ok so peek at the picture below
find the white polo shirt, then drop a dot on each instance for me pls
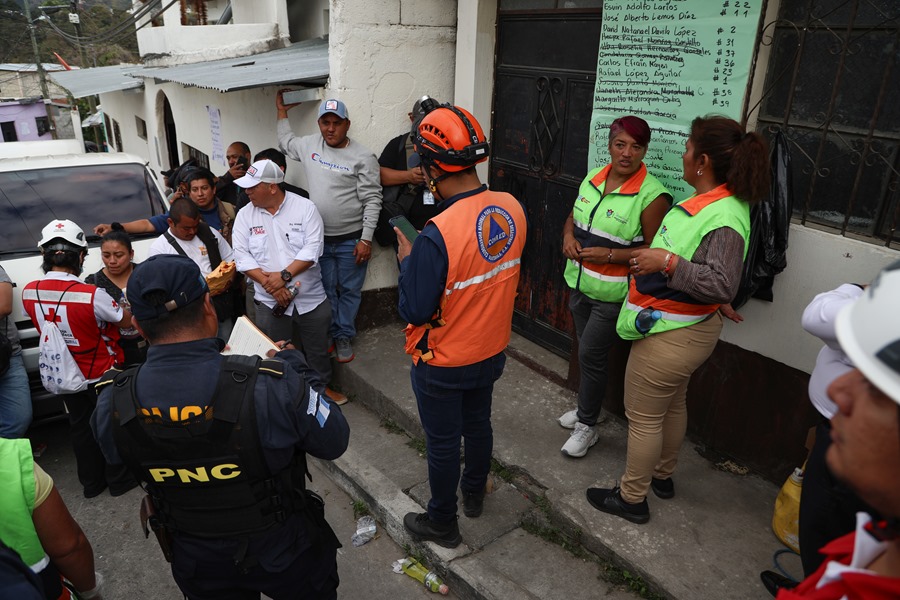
(195, 249)
(271, 242)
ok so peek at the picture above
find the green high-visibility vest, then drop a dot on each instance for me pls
(17, 502)
(681, 232)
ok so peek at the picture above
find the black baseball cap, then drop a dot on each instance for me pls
(177, 276)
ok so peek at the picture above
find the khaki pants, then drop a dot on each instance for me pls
(656, 379)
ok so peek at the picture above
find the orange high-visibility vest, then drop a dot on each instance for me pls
(485, 236)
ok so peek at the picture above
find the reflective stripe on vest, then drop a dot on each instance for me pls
(55, 295)
(610, 221)
(459, 285)
(484, 235)
(681, 232)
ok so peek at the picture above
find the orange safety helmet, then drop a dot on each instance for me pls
(450, 138)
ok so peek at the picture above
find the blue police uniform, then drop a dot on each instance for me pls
(177, 382)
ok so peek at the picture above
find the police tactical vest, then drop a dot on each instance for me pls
(609, 220)
(681, 232)
(208, 475)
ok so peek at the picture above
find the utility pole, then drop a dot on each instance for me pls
(75, 19)
(45, 91)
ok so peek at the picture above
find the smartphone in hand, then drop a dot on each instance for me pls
(405, 227)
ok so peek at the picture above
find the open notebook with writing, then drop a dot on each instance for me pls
(248, 339)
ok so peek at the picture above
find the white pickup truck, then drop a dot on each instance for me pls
(42, 181)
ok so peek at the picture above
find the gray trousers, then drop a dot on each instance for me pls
(308, 332)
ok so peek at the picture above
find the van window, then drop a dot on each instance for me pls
(87, 195)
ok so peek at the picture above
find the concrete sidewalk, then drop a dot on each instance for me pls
(710, 541)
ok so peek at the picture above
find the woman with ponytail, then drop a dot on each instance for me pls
(692, 267)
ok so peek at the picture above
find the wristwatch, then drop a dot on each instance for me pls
(286, 275)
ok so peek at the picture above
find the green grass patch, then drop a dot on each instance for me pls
(418, 444)
(360, 509)
(502, 472)
(392, 427)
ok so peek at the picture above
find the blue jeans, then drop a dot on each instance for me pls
(454, 403)
(343, 280)
(15, 399)
(595, 326)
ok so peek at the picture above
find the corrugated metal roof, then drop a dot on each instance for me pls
(305, 61)
(88, 82)
(31, 67)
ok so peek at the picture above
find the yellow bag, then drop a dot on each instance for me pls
(786, 519)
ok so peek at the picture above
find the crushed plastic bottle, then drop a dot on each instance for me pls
(429, 579)
(365, 531)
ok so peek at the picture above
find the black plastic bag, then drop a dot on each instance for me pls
(770, 223)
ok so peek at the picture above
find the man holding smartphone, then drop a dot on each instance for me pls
(238, 157)
(457, 290)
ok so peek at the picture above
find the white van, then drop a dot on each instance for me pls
(38, 186)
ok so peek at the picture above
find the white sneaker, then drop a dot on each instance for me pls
(580, 440)
(569, 420)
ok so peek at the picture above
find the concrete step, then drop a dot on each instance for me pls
(710, 541)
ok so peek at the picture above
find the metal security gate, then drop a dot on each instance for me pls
(544, 84)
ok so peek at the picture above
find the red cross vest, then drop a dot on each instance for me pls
(71, 305)
(485, 236)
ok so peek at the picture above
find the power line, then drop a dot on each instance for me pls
(123, 27)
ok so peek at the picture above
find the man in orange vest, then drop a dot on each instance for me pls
(457, 289)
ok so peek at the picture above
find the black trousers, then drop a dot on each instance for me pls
(827, 507)
(205, 570)
(93, 472)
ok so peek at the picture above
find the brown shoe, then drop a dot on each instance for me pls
(336, 397)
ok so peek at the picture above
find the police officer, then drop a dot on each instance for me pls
(457, 289)
(220, 443)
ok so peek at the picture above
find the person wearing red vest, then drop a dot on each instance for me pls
(865, 453)
(692, 267)
(457, 288)
(88, 319)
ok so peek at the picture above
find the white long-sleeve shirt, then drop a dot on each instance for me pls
(272, 242)
(819, 319)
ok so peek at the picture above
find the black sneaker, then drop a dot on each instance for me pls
(663, 488)
(610, 501)
(473, 504)
(776, 582)
(424, 529)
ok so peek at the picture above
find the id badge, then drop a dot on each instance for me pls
(427, 198)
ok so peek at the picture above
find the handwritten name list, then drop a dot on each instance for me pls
(668, 61)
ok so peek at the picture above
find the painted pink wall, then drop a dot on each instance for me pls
(24, 115)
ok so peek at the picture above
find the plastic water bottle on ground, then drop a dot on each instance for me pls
(646, 319)
(365, 531)
(414, 569)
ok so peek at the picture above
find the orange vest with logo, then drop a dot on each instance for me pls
(485, 236)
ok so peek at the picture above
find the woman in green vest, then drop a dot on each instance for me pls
(692, 267)
(618, 209)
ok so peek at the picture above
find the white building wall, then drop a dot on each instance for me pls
(817, 261)
(123, 107)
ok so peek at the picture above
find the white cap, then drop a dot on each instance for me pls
(262, 171)
(65, 230)
(869, 332)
